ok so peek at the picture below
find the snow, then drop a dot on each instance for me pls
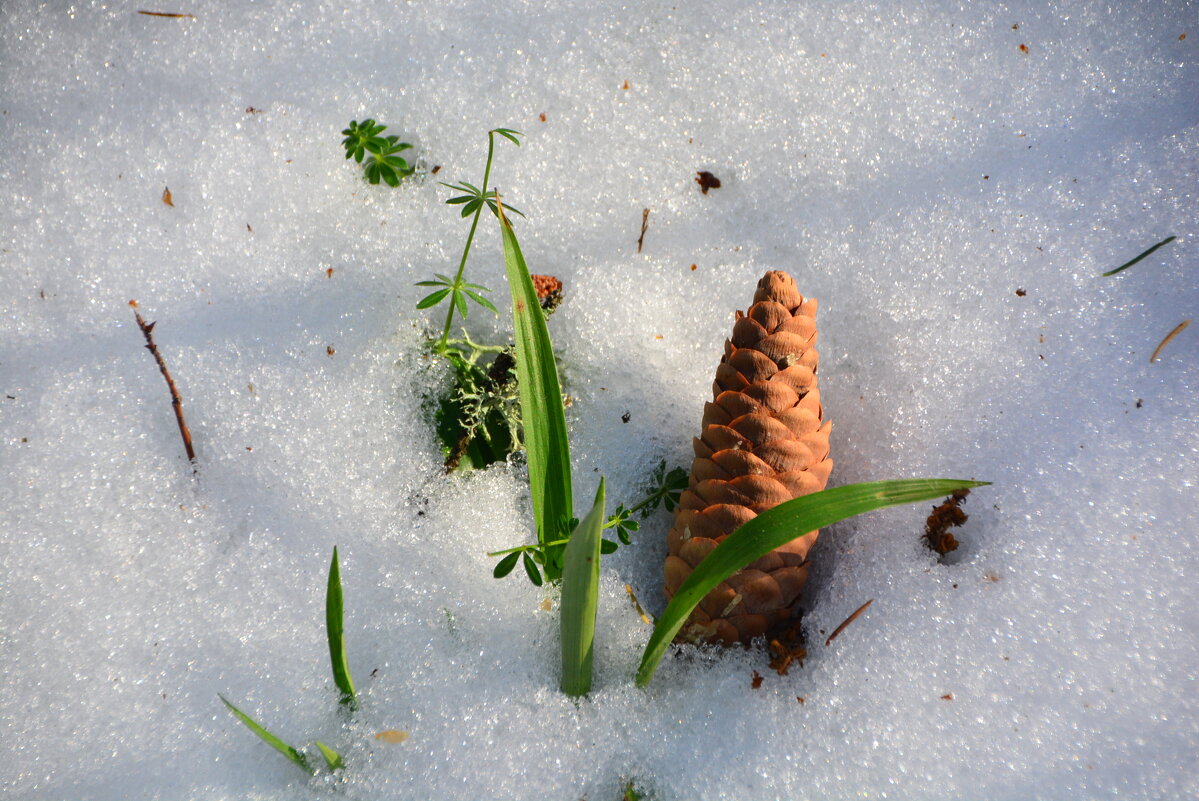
(908, 163)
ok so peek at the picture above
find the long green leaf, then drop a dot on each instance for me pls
(274, 742)
(335, 628)
(776, 527)
(580, 598)
(541, 411)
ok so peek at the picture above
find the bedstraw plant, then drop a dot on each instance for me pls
(383, 161)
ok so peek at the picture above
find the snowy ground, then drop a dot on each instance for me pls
(950, 180)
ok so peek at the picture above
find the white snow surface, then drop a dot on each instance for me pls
(909, 163)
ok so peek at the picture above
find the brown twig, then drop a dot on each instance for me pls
(644, 226)
(176, 401)
(167, 14)
(1177, 330)
(848, 620)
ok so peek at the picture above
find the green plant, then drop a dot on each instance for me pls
(580, 599)
(472, 202)
(478, 420)
(773, 528)
(383, 162)
(665, 489)
(335, 632)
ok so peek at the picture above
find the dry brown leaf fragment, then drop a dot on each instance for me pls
(756, 682)
(944, 517)
(329, 350)
(542, 116)
(392, 736)
(329, 273)
(706, 181)
(947, 697)
(166, 197)
(1024, 48)
(546, 605)
(626, 86)
(786, 649)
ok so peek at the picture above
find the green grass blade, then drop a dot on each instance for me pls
(335, 628)
(580, 598)
(274, 742)
(776, 527)
(1133, 261)
(332, 758)
(541, 411)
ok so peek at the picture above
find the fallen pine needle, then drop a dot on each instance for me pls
(644, 226)
(1128, 264)
(1178, 329)
(637, 605)
(167, 14)
(848, 620)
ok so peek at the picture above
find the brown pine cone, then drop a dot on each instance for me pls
(763, 442)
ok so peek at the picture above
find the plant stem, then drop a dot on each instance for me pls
(528, 547)
(449, 317)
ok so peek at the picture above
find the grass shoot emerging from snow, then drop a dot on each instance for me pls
(335, 630)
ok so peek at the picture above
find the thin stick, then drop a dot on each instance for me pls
(644, 226)
(176, 401)
(848, 620)
(167, 14)
(1128, 264)
(1177, 330)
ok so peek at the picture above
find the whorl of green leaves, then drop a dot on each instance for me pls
(382, 163)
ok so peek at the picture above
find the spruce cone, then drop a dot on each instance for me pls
(763, 443)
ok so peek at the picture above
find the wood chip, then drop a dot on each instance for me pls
(1178, 329)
